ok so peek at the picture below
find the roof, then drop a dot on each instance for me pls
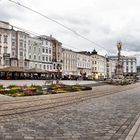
(123, 57)
(94, 52)
(84, 52)
(69, 50)
(4, 22)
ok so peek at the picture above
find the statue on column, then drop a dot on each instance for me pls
(119, 65)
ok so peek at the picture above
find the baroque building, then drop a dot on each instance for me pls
(129, 64)
(69, 67)
(99, 64)
(40, 53)
(84, 64)
(13, 47)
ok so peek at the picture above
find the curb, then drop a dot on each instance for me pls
(134, 133)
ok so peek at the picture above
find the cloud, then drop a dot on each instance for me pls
(9, 11)
(104, 22)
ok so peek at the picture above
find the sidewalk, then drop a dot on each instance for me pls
(134, 134)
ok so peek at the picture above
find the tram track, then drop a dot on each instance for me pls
(42, 104)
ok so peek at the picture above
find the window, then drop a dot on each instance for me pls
(5, 39)
(34, 56)
(35, 65)
(46, 42)
(39, 57)
(5, 49)
(54, 66)
(44, 66)
(21, 53)
(43, 50)
(43, 58)
(47, 50)
(127, 69)
(40, 66)
(50, 67)
(29, 56)
(0, 49)
(47, 67)
(25, 64)
(0, 38)
(13, 53)
(50, 58)
(21, 36)
(13, 43)
(21, 44)
(6, 62)
(39, 50)
(50, 51)
(46, 58)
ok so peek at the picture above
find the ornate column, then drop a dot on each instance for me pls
(119, 65)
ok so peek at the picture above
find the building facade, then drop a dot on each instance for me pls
(129, 64)
(84, 64)
(13, 47)
(69, 67)
(56, 55)
(99, 66)
(5, 44)
(111, 65)
(40, 54)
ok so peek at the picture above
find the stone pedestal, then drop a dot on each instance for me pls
(119, 71)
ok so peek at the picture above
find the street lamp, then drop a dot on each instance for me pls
(58, 73)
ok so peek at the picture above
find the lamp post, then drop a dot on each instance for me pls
(58, 73)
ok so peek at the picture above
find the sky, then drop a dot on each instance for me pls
(103, 21)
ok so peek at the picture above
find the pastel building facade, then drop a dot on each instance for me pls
(99, 64)
(69, 58)
(13, 47)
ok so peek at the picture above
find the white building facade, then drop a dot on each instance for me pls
(111, 65)
(84, 64)
(40, 54)
(129, 64)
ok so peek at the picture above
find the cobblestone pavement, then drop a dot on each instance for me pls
(108, 117)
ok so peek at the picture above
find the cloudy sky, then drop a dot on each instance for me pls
(102, 21)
